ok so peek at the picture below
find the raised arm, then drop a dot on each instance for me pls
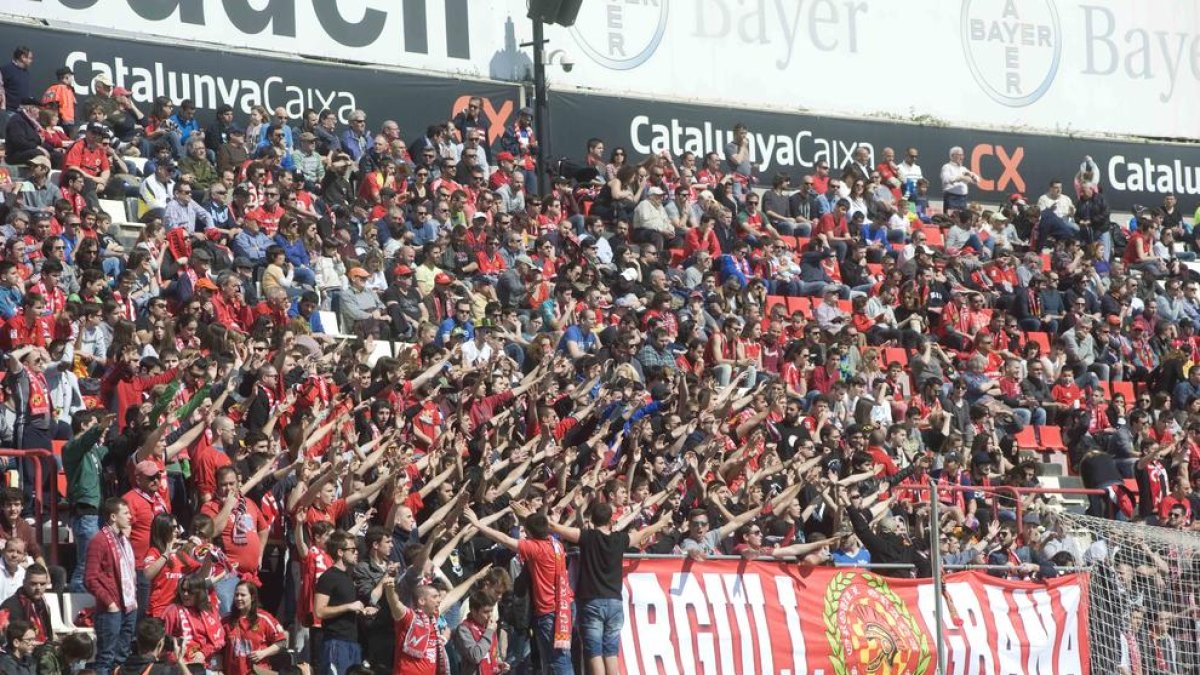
(495, 535)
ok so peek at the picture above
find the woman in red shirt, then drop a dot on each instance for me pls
(252, 634)
(195, 624)
(165, 564)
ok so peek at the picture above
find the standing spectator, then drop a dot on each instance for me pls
(546, 560)
(112, 579)
(15, 73)
(335, 604)
(598, 593)
(956, 182)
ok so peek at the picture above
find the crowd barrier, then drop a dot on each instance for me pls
(40, 498)
(755, 616)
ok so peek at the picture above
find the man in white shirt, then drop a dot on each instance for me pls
(1057, 221)
(651, 225)
(12, 568)
(479, 351)
(956, 181)
(909, 172)
(158, 187)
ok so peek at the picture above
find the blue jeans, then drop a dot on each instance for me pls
(555, 661)
(83, 528)
(114, 635)
(225, 588)
(600, 623)
(337, 656)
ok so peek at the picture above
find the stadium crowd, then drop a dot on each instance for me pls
(353, 401)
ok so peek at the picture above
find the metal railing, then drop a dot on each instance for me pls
(1004, 490)
(36, 455)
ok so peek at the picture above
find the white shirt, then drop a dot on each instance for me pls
(906, 171)
(473, 353)
(10, 584)
(952, 178)
(1062, 204)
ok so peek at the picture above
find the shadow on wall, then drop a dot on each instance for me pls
(510, 64)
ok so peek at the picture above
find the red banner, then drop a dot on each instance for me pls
(766, 618)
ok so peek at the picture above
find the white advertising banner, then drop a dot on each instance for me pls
(1110, 66)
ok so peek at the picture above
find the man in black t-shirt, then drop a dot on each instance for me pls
(336, 605)
(598, 594)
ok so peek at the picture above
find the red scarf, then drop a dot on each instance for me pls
(487, 663)
(562, 598)
(39, 399)
(421, 637)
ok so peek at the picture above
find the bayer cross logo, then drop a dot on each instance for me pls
(618, 34)
(1013, 48)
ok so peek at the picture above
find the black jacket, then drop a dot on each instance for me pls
(889, 547)
(22, 139)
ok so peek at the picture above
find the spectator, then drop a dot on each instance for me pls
(956, 182)
(111, 578)
(15, 75)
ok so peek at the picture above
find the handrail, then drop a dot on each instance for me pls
(39, 501)
(996, 490)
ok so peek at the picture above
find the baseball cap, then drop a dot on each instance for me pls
(1016, 198)
(102, 79)
(97, 128)
(505, 156)
(527, 111)
(403, 270)
(206, 285)
(523, 260)
(443, 279)
(147, 468)
(358, 272)
(41, 160)
(656, 191)
(202, 254)
(242, 262)
(235, 130)
(308, 136)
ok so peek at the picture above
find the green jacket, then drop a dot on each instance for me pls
(205, 173)
(81, 462)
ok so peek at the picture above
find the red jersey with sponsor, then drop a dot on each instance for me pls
(243, 639)
(163, 587)
(418, 645)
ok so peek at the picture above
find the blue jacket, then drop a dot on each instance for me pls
(296, 253)
(731, 269)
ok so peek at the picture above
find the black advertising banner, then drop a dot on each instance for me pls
(1131, 172)
(211, 77)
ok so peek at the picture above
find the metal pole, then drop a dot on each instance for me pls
(540, 111)
(935, 559)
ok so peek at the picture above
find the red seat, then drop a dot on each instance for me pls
(1050, 438)
(788, 241)
(795, 304)
(773, 300)
(1042, 340)
(1125, 389)
(846, 306)
(895, 355)
(875, 268)
(1026, 439)
(677, 256)
(1045, 262)
(934, 238)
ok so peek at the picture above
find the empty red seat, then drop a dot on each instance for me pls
(1026, 439)
(895, 355)
(934, 238)
(1050, 438)
(1042, 340)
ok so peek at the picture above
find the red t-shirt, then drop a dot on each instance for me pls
(240, 536)
(315, 563)
(416, 634)
(206, 460)
(330, 514)
(142, 509)
(241, 639)
(164, 586)
(91, 161)
(545, 565)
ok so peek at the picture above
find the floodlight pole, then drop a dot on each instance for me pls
(540, 109)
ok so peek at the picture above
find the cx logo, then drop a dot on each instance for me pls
(986, 157)
(497, 117)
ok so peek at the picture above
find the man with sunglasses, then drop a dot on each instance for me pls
(335, 603)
